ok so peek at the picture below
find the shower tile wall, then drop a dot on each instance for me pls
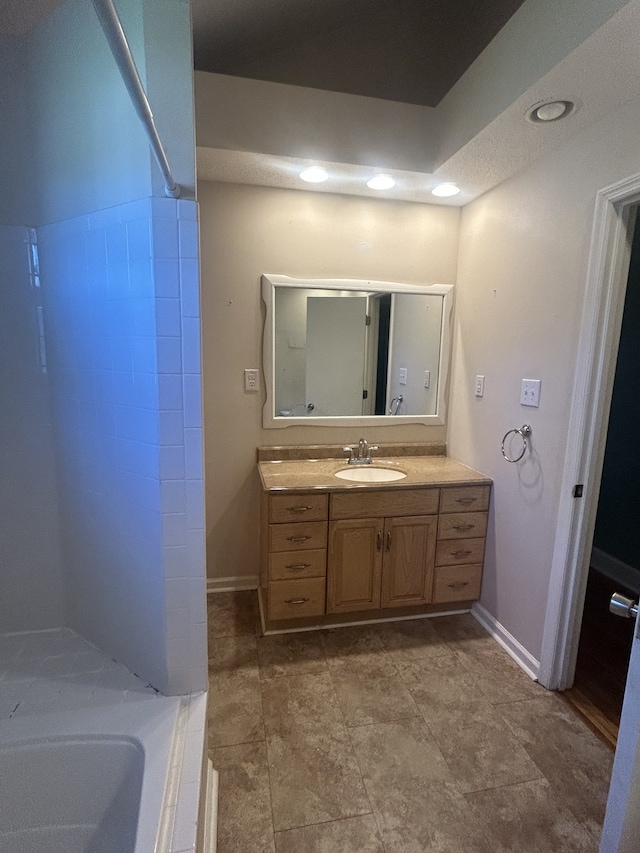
(123, 337)
(30, 567)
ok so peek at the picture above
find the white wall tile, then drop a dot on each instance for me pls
(166, 274)
(170, 353)
(188, 236)
(165, 238)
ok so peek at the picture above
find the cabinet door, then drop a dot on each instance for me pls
(409, 558)
(355, 564)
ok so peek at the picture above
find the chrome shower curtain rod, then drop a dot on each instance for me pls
(112, 26)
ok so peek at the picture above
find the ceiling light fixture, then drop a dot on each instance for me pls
(381, 182)
(446, 189)
(314, 175)
(546, 111)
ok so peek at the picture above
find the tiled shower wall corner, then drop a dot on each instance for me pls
(175, 251)
(128, 447)
(30, 576)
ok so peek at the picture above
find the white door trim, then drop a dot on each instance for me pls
(606, 283)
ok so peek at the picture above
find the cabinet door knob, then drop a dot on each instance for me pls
(296, 600)
(379, 540)
(389, 541)
(298, 538)
(297, 567)
(298, 508)
(460, 553)
(458, 584)
(466, 500)
(463, 526)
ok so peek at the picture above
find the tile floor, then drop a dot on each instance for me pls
(403, 737)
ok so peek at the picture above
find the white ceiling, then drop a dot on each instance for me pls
(478, 131)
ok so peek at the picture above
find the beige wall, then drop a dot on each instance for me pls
(246, 231)
(521, 280)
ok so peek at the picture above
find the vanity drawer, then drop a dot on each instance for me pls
(457, 583)
(462, 525)
(298, 508)
(296, 598)
(465, 498)
(375, 504)
(452, 553)
(301, 564)
(303, 536)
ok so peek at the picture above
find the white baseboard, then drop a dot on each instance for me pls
(232, 584)
(516, 650)
(615, 569)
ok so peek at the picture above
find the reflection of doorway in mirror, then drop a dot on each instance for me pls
(414, 353)
(335, 368)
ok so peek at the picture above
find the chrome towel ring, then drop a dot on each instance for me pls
(524, 432)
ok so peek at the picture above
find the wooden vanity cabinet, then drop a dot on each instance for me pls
(462, 528)
(368, 551)
(294, 555)
(385, 561)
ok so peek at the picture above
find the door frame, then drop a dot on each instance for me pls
(606, 284)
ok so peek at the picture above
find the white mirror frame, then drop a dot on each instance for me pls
(269, 284)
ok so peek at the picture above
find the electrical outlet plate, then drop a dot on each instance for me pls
(530, 393)
(252, 379)
(402, 376)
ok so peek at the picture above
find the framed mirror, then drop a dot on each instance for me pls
(349, 352)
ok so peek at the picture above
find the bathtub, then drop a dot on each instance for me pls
(91, 781)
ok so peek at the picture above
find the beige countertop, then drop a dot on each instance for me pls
(312, 474)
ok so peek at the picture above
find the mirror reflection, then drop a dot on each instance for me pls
(344, 350)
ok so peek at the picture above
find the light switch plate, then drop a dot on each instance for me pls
(402, 373)
(530, 393)
(479, 385)
(427, 378)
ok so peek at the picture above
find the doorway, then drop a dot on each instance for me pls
(605, 640)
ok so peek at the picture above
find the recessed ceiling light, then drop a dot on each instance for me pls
(381, 182)
(547, 111)
(314, 175)
(446, 189)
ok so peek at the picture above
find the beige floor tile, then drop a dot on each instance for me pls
(371, 694)
(234, 702)
(360, 642)
(461, 627)
(497, 675)
(291, 654)
(576, 763)
(418, 807)
(441, 685)
(244, 806)
(313, 772)
(529, 818)
(232, 614)
(479, 749)
(352, 835)
(411, 639)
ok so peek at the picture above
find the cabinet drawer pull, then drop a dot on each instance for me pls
(298, 538)
(458, 585)
(466, 500)
(297, 567)
(463, 526)
(296, 600)
(298, 508)
(461, 553)
(388, 541)
(379, 540)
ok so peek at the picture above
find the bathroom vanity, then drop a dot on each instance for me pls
(336, 550)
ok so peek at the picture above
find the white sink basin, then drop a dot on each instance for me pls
(370, 474)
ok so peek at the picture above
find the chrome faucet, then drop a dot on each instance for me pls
(364, 453)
